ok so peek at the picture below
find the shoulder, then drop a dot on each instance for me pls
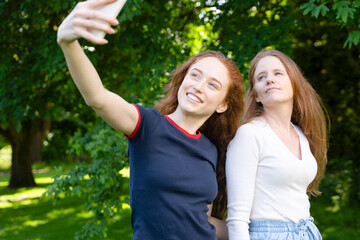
(250, 134)
(252, 128)
(148, 115)
(145, 111)
(149, 120)
(247, 145)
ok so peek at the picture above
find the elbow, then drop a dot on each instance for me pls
(95, 102)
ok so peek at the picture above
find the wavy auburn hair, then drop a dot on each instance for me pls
(308, 111)
(220, 128)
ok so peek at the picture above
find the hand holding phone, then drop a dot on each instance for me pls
(112, 9)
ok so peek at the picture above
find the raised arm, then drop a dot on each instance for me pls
(118, 113)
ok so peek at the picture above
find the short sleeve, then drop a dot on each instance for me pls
(148, 120)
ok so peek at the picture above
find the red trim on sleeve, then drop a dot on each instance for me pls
(195, 136)
(137, 124)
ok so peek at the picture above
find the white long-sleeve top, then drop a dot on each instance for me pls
(265, 180)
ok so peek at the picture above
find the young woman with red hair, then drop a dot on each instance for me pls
(278, 155)
(177, 153)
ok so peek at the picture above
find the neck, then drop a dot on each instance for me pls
(188, 122)
(278, 117)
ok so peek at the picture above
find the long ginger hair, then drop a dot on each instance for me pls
(220, 128)
(308, 112)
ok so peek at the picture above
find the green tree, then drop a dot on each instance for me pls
(344, 13)
(33, 78)
(334, 72)
(153, 37)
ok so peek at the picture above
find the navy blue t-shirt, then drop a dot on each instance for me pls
(172, 180)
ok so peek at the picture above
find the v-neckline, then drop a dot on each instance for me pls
(284, 145)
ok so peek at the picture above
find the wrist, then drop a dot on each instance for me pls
(67, 45)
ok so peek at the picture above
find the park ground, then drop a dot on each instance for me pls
(27, 215)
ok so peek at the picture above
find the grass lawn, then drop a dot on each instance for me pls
(336, 224)
(25, 215)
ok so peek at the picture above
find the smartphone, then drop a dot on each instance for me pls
(112, 9)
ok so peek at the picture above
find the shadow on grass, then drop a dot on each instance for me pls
(8, 191)
(40, 219)
(25, 215)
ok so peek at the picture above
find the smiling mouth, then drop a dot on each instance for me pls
(194, 98)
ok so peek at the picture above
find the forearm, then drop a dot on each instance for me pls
(84, 74)
(221, 228)
(84, 18)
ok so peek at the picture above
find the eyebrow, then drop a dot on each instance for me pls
(274, 70)
(196, 69)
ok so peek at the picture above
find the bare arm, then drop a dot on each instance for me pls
(220, 225)
(118, 113)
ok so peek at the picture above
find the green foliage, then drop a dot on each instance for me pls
(26, 215)
(3, 142)
(154, 37)
(346, 12)
(314, 9)
(31, 63)
(353, 38)
(99, 182)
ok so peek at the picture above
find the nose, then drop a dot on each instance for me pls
(199, 86)
(269, 79)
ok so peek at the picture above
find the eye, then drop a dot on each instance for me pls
(261, 77)
(213, 85)
(279, 74)
(194, 75)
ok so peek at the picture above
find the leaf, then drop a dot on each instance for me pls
(353, 38)
(343, 10)
(324, 9)
(315, 12)
(308, 7)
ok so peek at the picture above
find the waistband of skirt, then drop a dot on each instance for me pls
(280, 226)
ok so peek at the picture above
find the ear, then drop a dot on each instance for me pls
(257, 99)
(222, 108)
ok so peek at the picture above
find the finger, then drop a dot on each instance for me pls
(90, 37)
(94, 14)
(93, 24)
(98, 3)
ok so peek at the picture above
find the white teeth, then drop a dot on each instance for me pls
(192, 97)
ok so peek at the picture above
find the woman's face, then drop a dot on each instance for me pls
(204, 88)
(272, 83)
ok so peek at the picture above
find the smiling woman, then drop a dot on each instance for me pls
(203, 89)
(177, 154)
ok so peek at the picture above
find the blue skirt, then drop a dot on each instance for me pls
(276, 230)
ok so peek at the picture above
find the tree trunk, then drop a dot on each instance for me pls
(23, 152)
(43, 128)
